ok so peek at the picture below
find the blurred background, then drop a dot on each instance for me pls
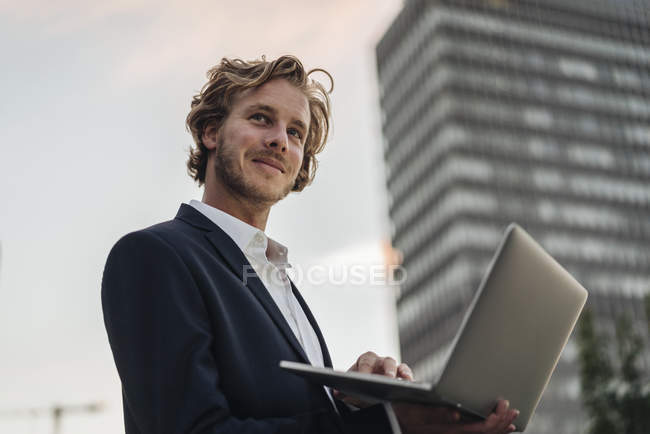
(450, 119)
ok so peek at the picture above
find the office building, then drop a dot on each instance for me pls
(535, 111)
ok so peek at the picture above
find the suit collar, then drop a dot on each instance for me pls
(193, 217)
(241, 232)
(238, 264)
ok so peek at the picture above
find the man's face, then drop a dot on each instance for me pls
(259, 147)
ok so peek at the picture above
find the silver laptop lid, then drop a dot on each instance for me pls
(514, 331)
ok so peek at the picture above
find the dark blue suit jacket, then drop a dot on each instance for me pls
(197, 350)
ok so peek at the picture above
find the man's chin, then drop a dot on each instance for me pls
(264, 194)
(276, 196)
(262, 191)
(271, 190)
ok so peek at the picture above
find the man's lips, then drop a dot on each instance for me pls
(270, 162)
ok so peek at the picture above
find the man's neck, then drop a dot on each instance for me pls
(253, 214)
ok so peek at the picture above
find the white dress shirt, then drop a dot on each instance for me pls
(269, 260)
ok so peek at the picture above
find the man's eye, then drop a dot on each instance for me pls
(295, 132)
(260, 117)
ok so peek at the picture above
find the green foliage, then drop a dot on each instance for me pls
(616, 394)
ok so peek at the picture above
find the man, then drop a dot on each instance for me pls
(199, 310)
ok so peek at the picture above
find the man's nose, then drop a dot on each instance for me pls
(277, 139)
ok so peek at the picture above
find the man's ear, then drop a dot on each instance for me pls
(210, 136)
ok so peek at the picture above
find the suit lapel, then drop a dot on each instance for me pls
(327, 361)
(237, 262)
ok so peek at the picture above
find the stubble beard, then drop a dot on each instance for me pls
(226, 168)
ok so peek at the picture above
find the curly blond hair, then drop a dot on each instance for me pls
(212, 104)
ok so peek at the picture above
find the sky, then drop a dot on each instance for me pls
(93, 146)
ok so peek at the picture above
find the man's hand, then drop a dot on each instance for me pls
(371, 363)
(421, 419)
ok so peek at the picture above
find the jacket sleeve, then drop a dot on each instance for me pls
(160, 335)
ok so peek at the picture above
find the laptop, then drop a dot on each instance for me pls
(506, 348)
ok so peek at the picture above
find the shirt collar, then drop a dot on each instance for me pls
(248, 238)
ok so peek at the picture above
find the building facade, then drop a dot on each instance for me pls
(534, 111)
